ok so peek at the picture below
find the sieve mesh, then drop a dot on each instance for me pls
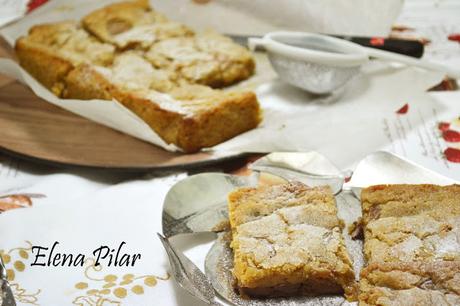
(312, 77)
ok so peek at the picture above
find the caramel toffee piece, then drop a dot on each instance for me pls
(287, 240)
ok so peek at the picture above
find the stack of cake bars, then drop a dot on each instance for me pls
(162, 71)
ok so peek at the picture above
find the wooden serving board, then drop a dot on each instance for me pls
(35, 129)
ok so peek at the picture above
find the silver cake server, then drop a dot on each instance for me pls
(383, 167)
(199, 202)
(310, 168)
(6, 293)
(188, 275)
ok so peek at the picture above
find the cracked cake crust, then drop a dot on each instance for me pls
(404, 223)
(412, 238)
(381, 201)
(411, 244)
(287, 240)
(75, 64)
(411, 284)
(206, 58)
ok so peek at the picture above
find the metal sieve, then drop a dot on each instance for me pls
(321, 64)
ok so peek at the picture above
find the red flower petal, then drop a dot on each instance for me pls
(33, 4)
(451, 136)
(452, 155)
(443, 126)
(403, 110)
(454, 37)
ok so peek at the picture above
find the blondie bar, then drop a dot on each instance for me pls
(73, 63)
(132, 24)
(411, 244)
(188, 115)
(201, 58)
(407, 200)
(51, 51)
(411, 284)
(405, 223)
(206, 58)
(412, 238)
(287, 240)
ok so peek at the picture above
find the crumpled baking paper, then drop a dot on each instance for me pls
(347, 17)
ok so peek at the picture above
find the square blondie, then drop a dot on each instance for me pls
(287, 240)
(400, 200)
(132, 24)
(406, 223)
(411, 244)
(412, 238)
(411, 284)
(206, 58)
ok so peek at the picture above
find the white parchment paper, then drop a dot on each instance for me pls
(350, 17)
(11, 10)
(293, 119)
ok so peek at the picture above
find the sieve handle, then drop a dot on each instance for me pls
(412, 48)
(256, 43)
(390, 56)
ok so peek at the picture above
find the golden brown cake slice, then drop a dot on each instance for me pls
(412, 238)
(51, 51)
(412, 245)
(189, 116)
(132, 24)
(287, 240)
(411, 284)
(406, 200)
(70, 41)
(206, 58)
(405, 223)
